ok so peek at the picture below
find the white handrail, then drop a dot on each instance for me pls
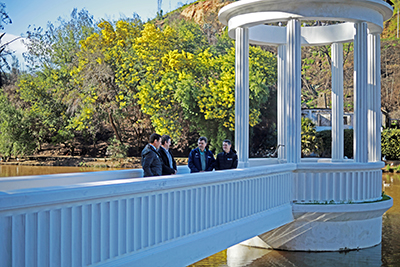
(93, 223)
(337, 182)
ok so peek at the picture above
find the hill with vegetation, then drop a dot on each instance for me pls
(99, 89)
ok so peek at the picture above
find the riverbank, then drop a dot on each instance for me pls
(76, 161)
(392, 166)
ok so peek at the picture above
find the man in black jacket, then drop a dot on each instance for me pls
(201, 159)
(168, 161)
(151, 162)
(227, 159)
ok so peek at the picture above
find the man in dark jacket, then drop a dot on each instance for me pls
(227, 159)
(168, 161)
(201, 159)
(151, 162)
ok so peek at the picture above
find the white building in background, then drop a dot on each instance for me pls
(322, 118)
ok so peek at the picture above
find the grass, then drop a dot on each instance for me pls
(316, 202)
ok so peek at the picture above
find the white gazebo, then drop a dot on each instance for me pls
(335, 180)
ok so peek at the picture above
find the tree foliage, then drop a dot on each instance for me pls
(390, 144)
(5, 54)
(16, 137)
(4, 17)
(309, 141)
(135, 78)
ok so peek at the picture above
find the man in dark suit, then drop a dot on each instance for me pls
(151, 162)
(168, 161)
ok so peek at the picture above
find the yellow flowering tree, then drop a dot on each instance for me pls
(163, 61)
(195, 91)
(137, 78)
(100, 75)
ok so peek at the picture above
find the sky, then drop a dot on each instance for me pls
(38, 13)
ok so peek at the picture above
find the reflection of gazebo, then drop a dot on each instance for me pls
(257, 22)
(279, 23)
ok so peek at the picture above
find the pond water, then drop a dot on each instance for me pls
(22, 170)
(385, 254)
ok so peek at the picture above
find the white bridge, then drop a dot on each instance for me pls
(115, 219)
(111, 219)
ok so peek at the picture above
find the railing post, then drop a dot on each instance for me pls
(293, 97)
(242, 97)
(282, 116)
(360, 93)
(374, 98)
(337, 102)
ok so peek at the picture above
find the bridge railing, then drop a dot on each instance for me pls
(116, 222)
(340, 182)
(63, 179)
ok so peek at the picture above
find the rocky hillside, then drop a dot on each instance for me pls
(203, 11)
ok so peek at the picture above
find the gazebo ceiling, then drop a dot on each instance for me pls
(310, 36)
(256, 14)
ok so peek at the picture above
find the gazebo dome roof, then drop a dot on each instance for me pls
(257, 14)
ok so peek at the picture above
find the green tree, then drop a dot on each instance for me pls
(46, 113)
(15, 135)
(48, 91)
(107, 75)
(4, 52)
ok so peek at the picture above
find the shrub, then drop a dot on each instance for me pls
(116, 149)
(326, 143)
(348, 143)
(309, 141)
(325, 150)
(390, 141)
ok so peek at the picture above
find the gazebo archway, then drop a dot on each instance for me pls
(337, 180)
(361, 21)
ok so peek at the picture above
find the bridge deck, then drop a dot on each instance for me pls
(165, 221)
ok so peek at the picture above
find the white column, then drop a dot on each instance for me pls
(337, 102)
(242, 97)
(293, 97)
(282, 133)
(374, 97)
(360, 93)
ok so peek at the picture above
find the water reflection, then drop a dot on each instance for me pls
(391, 222)
(385, 254)
(239, 256)
(21, 170)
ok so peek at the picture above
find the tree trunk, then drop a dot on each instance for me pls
(114, 127)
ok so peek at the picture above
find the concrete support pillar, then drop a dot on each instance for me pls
(374, 97)
(337, 102)
(282, 119)
(293, 97)
(360, 93)
(242, 97)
